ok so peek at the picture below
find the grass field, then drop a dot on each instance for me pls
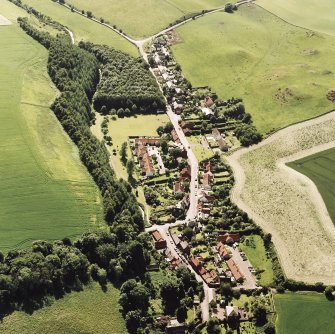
(317, 15)
(282, 73)
(82, 28)
(320, 168)
(284, 203)
(45, 191)
(307, 313)
(91, 311)
(140, 18)
(256, 254)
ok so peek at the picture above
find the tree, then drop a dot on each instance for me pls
(229, 8)
(260, 315)
(329, 293)
(123, 153)
(170, 296)
(188, 232)
(181, 313)
(269, 328)
(130, 167)
(133, 321)
(89, 14)
(213, 326)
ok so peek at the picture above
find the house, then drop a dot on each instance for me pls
(178, 188)
(224, 252)
(211, 278)
(207, 111)
(175, 327)
(174, 263)
(184, 124)
(208, 102)
(175, 137)
(208, 166)
(176, 239)
(195, 263)
(229, 238)
(207, 181)
(147, 141)
(206, 199)
(238, 276)
(216, 134)
(160, 243)
(232, 312)
(185, 173)
(185, 247)
(177, 107)
(187, 132)
(223, 146)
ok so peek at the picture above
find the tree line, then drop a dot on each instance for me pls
(126, 82)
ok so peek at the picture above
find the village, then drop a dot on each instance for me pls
(204, 238)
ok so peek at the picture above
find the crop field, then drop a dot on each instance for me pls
(306, 313)
(320, 168)
(281, 72)
(140, 18)
(286, 203)
(317, 15)
(82, 28)
(45, 192)
(89, 311)
(256, 254)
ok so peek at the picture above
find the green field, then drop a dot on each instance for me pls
(139, 18)
(82, 28)
(256, 254)
(45, 191)
(282, 73)
(317, 15)
(304, 314)
(320, 168)
(91, 311)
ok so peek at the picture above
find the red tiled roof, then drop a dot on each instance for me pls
(234, 270)
(157, 236)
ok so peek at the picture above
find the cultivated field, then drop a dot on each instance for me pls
(286, 203)
(89, 311)
(82, 28)
(45, 192)
(306, 313)
(282, 73)
(320, 168)
(140, 18)
(317, 15)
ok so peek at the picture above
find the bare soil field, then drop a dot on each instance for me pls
(286, 203)
(4, 21)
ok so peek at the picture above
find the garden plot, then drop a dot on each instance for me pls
(286, 203)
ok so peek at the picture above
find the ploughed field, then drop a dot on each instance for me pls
(320, 168)
(87, 311)
(141, 18)
(306, 313)
(286, 203)
(282, 73)
(82, 28)
(45, 192)
(317, 15)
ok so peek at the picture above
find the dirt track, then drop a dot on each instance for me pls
(4, 21)
(285, 202)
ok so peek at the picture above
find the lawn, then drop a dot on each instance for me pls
(282, 73)
(45, 191)
(317, 15)
(82, 28)
(140, 18)
(320, 168)
(304, 313)
(122, 128)
(89, 311)
(256, 254)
